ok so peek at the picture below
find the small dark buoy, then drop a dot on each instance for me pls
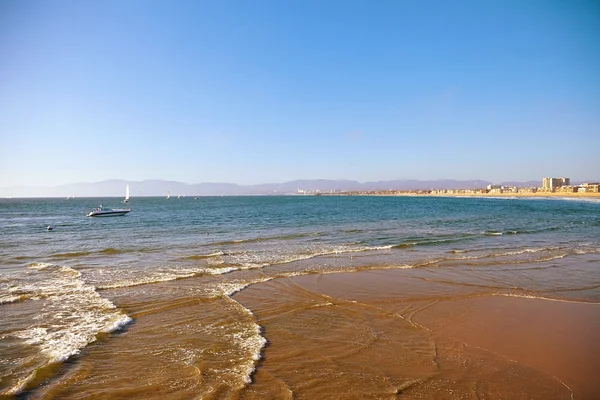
(49, 227)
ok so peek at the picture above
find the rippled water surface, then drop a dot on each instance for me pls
(151, 292)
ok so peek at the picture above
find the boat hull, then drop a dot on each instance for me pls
(112, 213)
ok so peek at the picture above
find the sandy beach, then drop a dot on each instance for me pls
(391, 334)
(535, 195)
(456, 193)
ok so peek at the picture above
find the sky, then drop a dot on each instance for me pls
(271, 91)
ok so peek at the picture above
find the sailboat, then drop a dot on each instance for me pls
(126, 194)
(168, 195)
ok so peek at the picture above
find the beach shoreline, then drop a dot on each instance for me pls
(270, 298)
(428, 344)
(541, 195)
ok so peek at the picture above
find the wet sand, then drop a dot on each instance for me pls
(391, 334)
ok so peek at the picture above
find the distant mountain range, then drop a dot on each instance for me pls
(116, 187)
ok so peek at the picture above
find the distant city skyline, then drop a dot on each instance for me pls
(155, 187)
(271, 91)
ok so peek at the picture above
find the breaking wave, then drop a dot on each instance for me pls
(73, 313)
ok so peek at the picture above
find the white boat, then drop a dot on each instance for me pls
(168, 195)
(126, 194)
(108, 212)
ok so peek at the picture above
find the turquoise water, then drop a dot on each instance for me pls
(184, 227)
(60, 289)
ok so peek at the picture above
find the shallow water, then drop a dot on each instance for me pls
(150, 293)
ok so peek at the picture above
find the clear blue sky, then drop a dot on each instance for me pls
(271, 91)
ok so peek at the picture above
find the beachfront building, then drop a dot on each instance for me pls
(567, 189)
(501, 189)
(527, 190)
(590, 187)
(494, 188)
(551, 184)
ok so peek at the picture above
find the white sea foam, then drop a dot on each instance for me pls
(247, 266)
(41, 266)
(165, 275)
(550, 258)
(119, 323)
(327, 252)
(576, 199)
(19, 386)
(252, 343)
(248, 338)
(507, 253)
(587, 250)
(230, 288)
(9, 298)
(71, 316)
(207, 255)
(529, 296)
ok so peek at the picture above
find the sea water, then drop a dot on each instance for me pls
(150, 293)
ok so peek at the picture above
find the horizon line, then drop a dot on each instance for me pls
(284, 182)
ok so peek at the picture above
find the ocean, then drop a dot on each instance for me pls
(178, 298)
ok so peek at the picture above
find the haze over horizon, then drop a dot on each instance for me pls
(153, 187)
(268, 91)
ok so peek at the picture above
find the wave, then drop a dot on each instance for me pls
(165, 276)
(20, 385)
(519, 231)
(41, 265)
(106, 251)
(510, 257)
(112, 250)
(589, 250)
(250, 341)
(555, 252)
(508, 253)
(431, 242)
(579, 199)
(539, 230)
(72, 255)
(266, 238)
(328, 252)
(203, 256)
(530, 296)
(71, 315)
(492, 233)
(7, 298)
(171, 274)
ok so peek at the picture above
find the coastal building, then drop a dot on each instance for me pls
(590, 187)
(527, 190)
(551, 184)
(501, 189)
(567, 189)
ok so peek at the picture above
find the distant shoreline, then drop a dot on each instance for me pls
(491, 195)
(365, 193)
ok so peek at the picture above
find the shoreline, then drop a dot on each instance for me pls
(489, 195)
(427, 343)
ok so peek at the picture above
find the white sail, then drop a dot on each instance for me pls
(168, 195)
(127, 193)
